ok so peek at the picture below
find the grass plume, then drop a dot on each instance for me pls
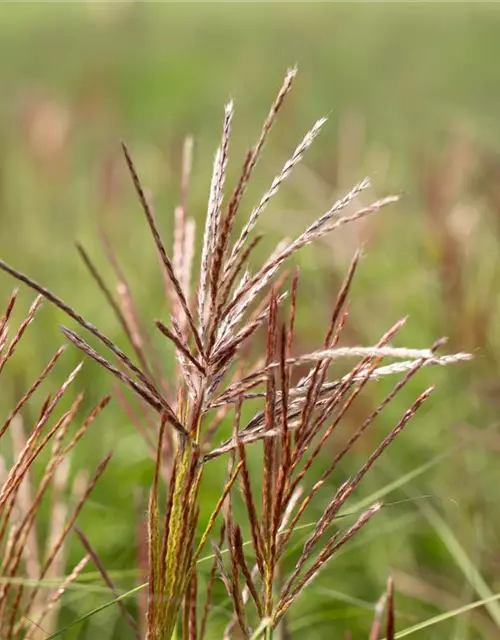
(293, 419)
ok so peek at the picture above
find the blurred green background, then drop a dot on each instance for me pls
(412, 95)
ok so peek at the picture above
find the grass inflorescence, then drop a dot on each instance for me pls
(294, 406)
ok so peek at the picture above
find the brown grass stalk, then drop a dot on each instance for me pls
(23, 606)
(167, 263)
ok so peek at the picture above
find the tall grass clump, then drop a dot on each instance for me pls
(33, 561)
(293, 403)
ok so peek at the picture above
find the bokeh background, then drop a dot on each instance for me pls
(412, 95)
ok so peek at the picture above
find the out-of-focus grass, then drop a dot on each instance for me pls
(396, 81)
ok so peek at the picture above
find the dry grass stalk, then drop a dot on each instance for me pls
(211, 336)
(24, 607)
